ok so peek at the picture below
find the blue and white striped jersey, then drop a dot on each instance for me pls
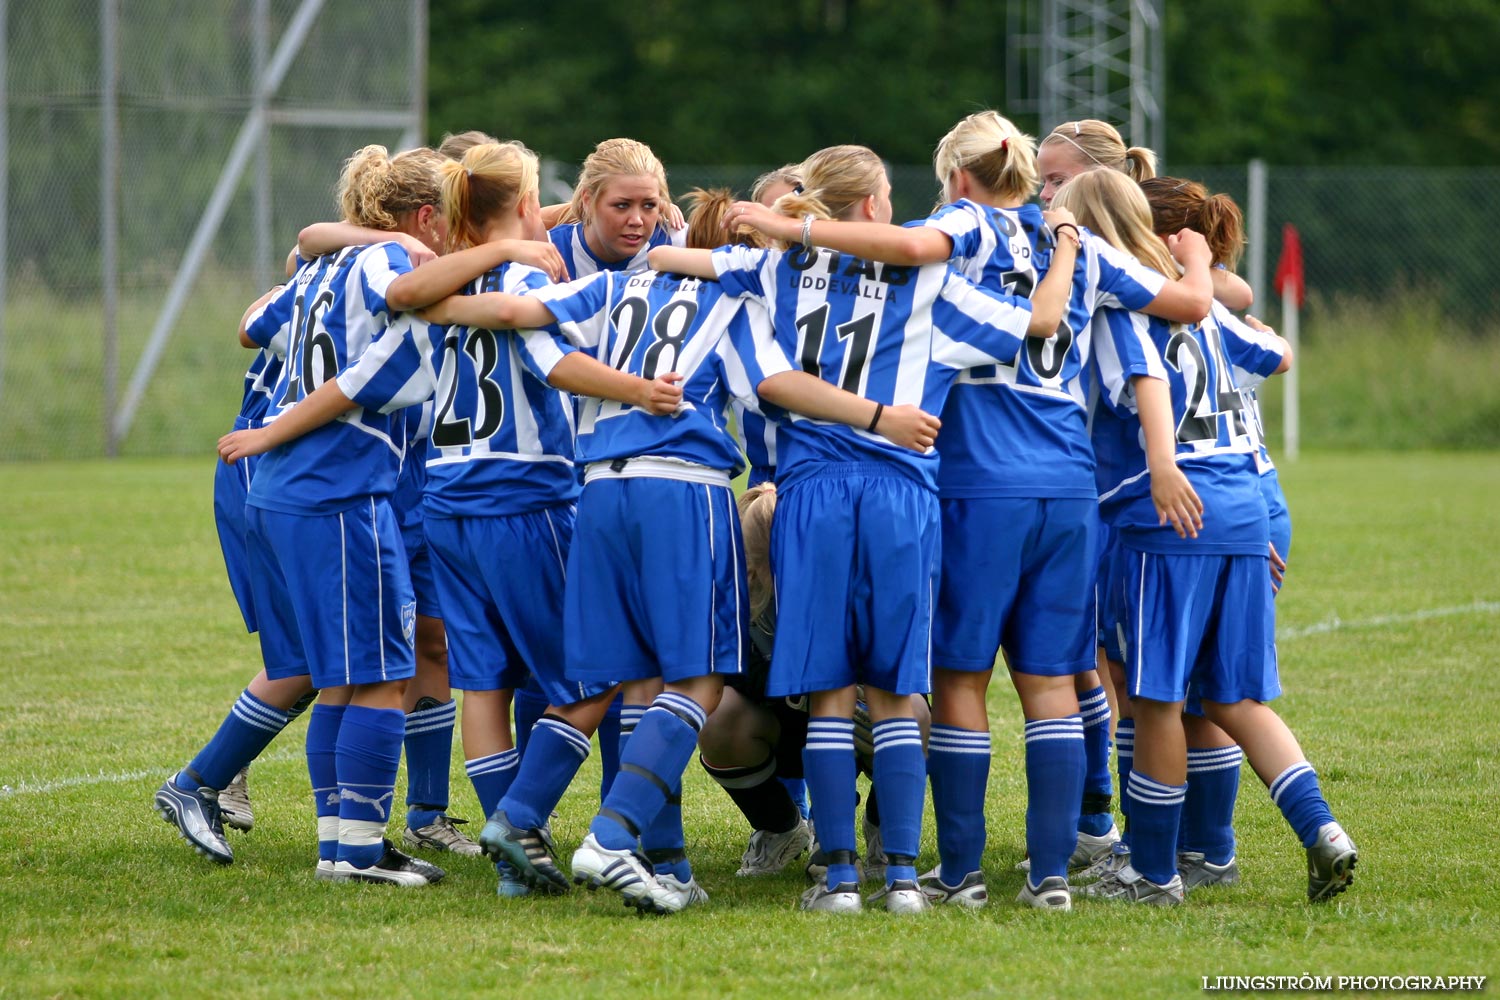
(1021, 429)
(501, 440)
(336, 309)
(582, 262)
(260, 383)
(649, 324)
(892, 334)
(1248, 382)
(1214, 448)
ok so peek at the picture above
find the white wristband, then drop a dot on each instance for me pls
(807, 221)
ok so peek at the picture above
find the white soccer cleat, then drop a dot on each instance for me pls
(688, 893)
(234, 802)
(841, 898)
(970, 892)
(442, 834)
(1052, 894)
(625, 872)
(1330, 863)
(768, 853)
(901, 896)
(393, 868)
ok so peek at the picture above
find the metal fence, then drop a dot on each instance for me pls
(156, 160)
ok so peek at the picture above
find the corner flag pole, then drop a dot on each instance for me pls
(1290, 282)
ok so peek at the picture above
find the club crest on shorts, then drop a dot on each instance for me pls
(409, 623)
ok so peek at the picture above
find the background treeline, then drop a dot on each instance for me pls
(1291, 81)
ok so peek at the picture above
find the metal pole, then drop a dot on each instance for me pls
(109, 224)
(1291, 430)
(1256, 234)
(263, 249)
(4, 176)
(419, 70)
(251, 132)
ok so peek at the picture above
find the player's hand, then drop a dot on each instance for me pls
(1278, 569)
(419, 252)
(1176, 501)
(436, 313)
(673, 217)
(662, 395)
(908, 426)
(541, 255)
(1256, 324)
(242, 444)
(762, 219)
(1055, 217)
(1190, 247)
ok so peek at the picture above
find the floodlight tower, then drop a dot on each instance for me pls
(1104, 59)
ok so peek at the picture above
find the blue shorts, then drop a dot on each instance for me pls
(332, 595)
(1202, 622)
(1018, 573)
(231, 484)
(419, 559)
(656, 582)
(855, 553)
(1111, 595)
(1281, 515)
(501, 582)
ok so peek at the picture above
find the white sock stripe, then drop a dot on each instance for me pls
(447, 710)
(830, 725)
(1150, 786)
(1049, 735)
(1174, 799)
(1093, 700)
(1232, 765)
(1093, 718)
(679, 705)
(434, 727)
(574, 738)
(254, 706)
(897, 732)
(1216, 755)
(505, 760)
(1067, 722)
(1288, 776)
(270, 725)
(944, 740)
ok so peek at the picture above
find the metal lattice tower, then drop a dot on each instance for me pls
(1103, 59)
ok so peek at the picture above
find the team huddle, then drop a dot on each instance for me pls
(488, 446)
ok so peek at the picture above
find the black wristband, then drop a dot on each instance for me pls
(1068, 225)
(879, 409)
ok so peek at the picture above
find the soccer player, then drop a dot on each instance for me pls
(619, 210)
(1018, 511)
(323, 500)
(1198, 610)
(500, 485)
(643, 606)
(856, 539)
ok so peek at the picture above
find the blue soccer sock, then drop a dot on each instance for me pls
(662, 838)
(492, 776)
(1054, 791)
(1124, 761)
(796, 789)
(1155, 810)
(610, 749)
(529, 705)
(369, 752)
(651, 767)
(1095, 818)
(248, 729)
(958, 761)
(901, 783)
(545, 776)
(323, 726)
(429, 749)
(1297, 794)
(828, 763)
(1208, 809)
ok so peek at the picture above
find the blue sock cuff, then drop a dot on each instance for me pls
(505, 760)
(252, 711)
(1094, 707)
(574, 738)
(682, 706)
(830, 733)
(951, 739)
(1152, 792)
(897, 733)
(1288, 778)
(1214, 759)
(432, 719)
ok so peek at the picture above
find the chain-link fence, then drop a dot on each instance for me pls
(151, 189)
(158, 159)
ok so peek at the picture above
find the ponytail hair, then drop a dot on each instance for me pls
(705, 221)
(376, 188)
(998, 155)
(1182, 204)
(613, 158)
(491, 178)
(1099, 144)
(1114, 208)
(834, 180)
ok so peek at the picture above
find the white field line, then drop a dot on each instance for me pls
(1334, 624)
(25, 787)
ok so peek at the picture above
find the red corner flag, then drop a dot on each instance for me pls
(1289, 268)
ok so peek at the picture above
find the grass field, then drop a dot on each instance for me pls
(120, 649)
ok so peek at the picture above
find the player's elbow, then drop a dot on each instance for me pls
(1286, 359)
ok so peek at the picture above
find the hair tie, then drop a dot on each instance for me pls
(469, 174)
(1004, 144)
(1077, 129)
(797, 189)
